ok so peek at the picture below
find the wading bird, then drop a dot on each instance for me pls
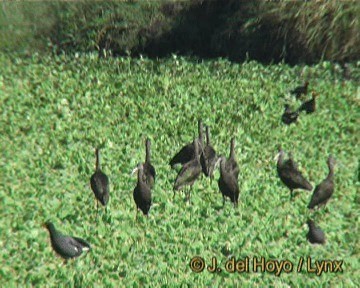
(289, 116)
(231, 164)
(310, 105)
(227, 182)
(298, 91)
(187, 152)
(100, 183)
(65, 246)
(290, 175)
(189, 172)
(315, 234)
(149, 170)
(142, 191)
(325, 189)
(208, 158)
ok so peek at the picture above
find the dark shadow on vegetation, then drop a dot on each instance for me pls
(266, 31)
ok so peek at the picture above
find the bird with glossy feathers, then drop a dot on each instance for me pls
(315, 234)
(228, 184)
(325, 189)
(66, 246)
(149, 170)
(189, 172)
(300, 90)
(289, 117)
(208, 157)
(100, 183)
(142, 191)
(187, 152)
(310, 105)
(290, 175)
(231, 164)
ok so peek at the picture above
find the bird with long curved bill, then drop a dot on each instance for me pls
(186, 153)
(99, 183)
(142, 191)
(325, 189)
(208, 158)
(289, 174)
(189, 172)
(66, 246)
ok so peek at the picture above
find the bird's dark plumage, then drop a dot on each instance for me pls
(67, 247)
(187, 152)
(149, 170)
(189, 172)
(290, 175)
(310, 105)
(227, 182)
(231, 164)
(100, 182)
(325, 189)
(289, 116)
(208, 157)
(142, 192)
(315, 234)
(298, 91)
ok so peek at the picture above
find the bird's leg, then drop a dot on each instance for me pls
(291, 194)
(223, 200)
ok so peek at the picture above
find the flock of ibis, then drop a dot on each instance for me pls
(197, 158)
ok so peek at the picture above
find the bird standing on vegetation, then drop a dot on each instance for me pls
(67, 247)
(187, 152)
(149, 170)
(189, 172)
(289, 116)
(100, 183)
(315, 234)
(231, 164)
(325, 189)
(298, 91)
(310, 105)
(227, 182)
(142, 191)
(290, 175)
(208, 157)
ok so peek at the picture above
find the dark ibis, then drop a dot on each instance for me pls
(208, 158)
(289, 117)
(315, 234)
(189, 172)
(142, 191)
(310, 105)
(290, 175)
(100, 182)
(325, 189)
(228, 184)
(149, 170)
(300, 90)
(231, 163)
(65, 246)
(187, 152)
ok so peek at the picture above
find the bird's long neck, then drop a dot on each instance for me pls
(281, 158)
(97, 152)
(52, 230)
(196, 148)
(200, 130)
(207, 135)
(148, 153)
(140, 175)
(222, 166)
(232, 148)
(331, 171)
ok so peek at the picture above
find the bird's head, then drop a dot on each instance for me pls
(138, 166)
